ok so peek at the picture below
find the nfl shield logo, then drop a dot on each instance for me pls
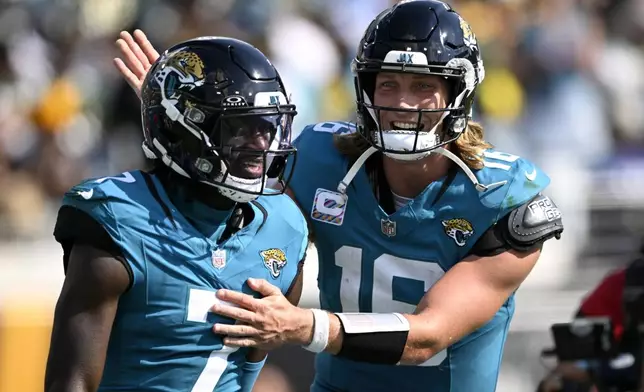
(388, 227)
(219, 258)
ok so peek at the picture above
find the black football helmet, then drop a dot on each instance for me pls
(215, 110)
(417, 37)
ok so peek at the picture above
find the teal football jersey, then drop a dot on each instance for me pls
(374, 262)
(162, 337)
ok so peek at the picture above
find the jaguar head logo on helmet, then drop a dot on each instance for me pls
(187, 67)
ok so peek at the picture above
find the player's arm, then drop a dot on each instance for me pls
(83, 319)
(448, 312)
(463, 300)
(96, 275)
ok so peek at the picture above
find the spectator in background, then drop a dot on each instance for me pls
(619, 297)
(533, 76)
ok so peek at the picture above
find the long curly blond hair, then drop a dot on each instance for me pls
(468, 147)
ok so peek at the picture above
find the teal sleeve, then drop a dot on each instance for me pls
(250, 372)
(111, 206)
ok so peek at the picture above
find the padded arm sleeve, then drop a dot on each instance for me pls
(525, 228)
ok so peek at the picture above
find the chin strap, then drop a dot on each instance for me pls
(353, 170)
(479, 187)
(237, 184)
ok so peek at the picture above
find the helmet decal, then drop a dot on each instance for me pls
(180, 69)
(468, 35)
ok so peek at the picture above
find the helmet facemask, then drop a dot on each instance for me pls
(249, 148)
(236, 149)
(414, 142)
(418, 38)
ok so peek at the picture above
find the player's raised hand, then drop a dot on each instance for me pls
(264, 323)
(137, 55)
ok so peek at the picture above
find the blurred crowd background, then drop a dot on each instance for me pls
(564, 87)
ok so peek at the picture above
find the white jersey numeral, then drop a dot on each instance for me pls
(387, 268)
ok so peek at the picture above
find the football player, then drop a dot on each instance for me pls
(423, 230)
(145, 252)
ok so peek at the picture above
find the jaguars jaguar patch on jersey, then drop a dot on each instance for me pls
(274, 260)
(458, 229)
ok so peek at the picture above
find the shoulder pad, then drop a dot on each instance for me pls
(106, 199)
(518, 179)
(327, 128)
(333, 127)
(96, 189)
(317, 138)
(533, 223)
(122, 206)
(285, 209)
(320, 164)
